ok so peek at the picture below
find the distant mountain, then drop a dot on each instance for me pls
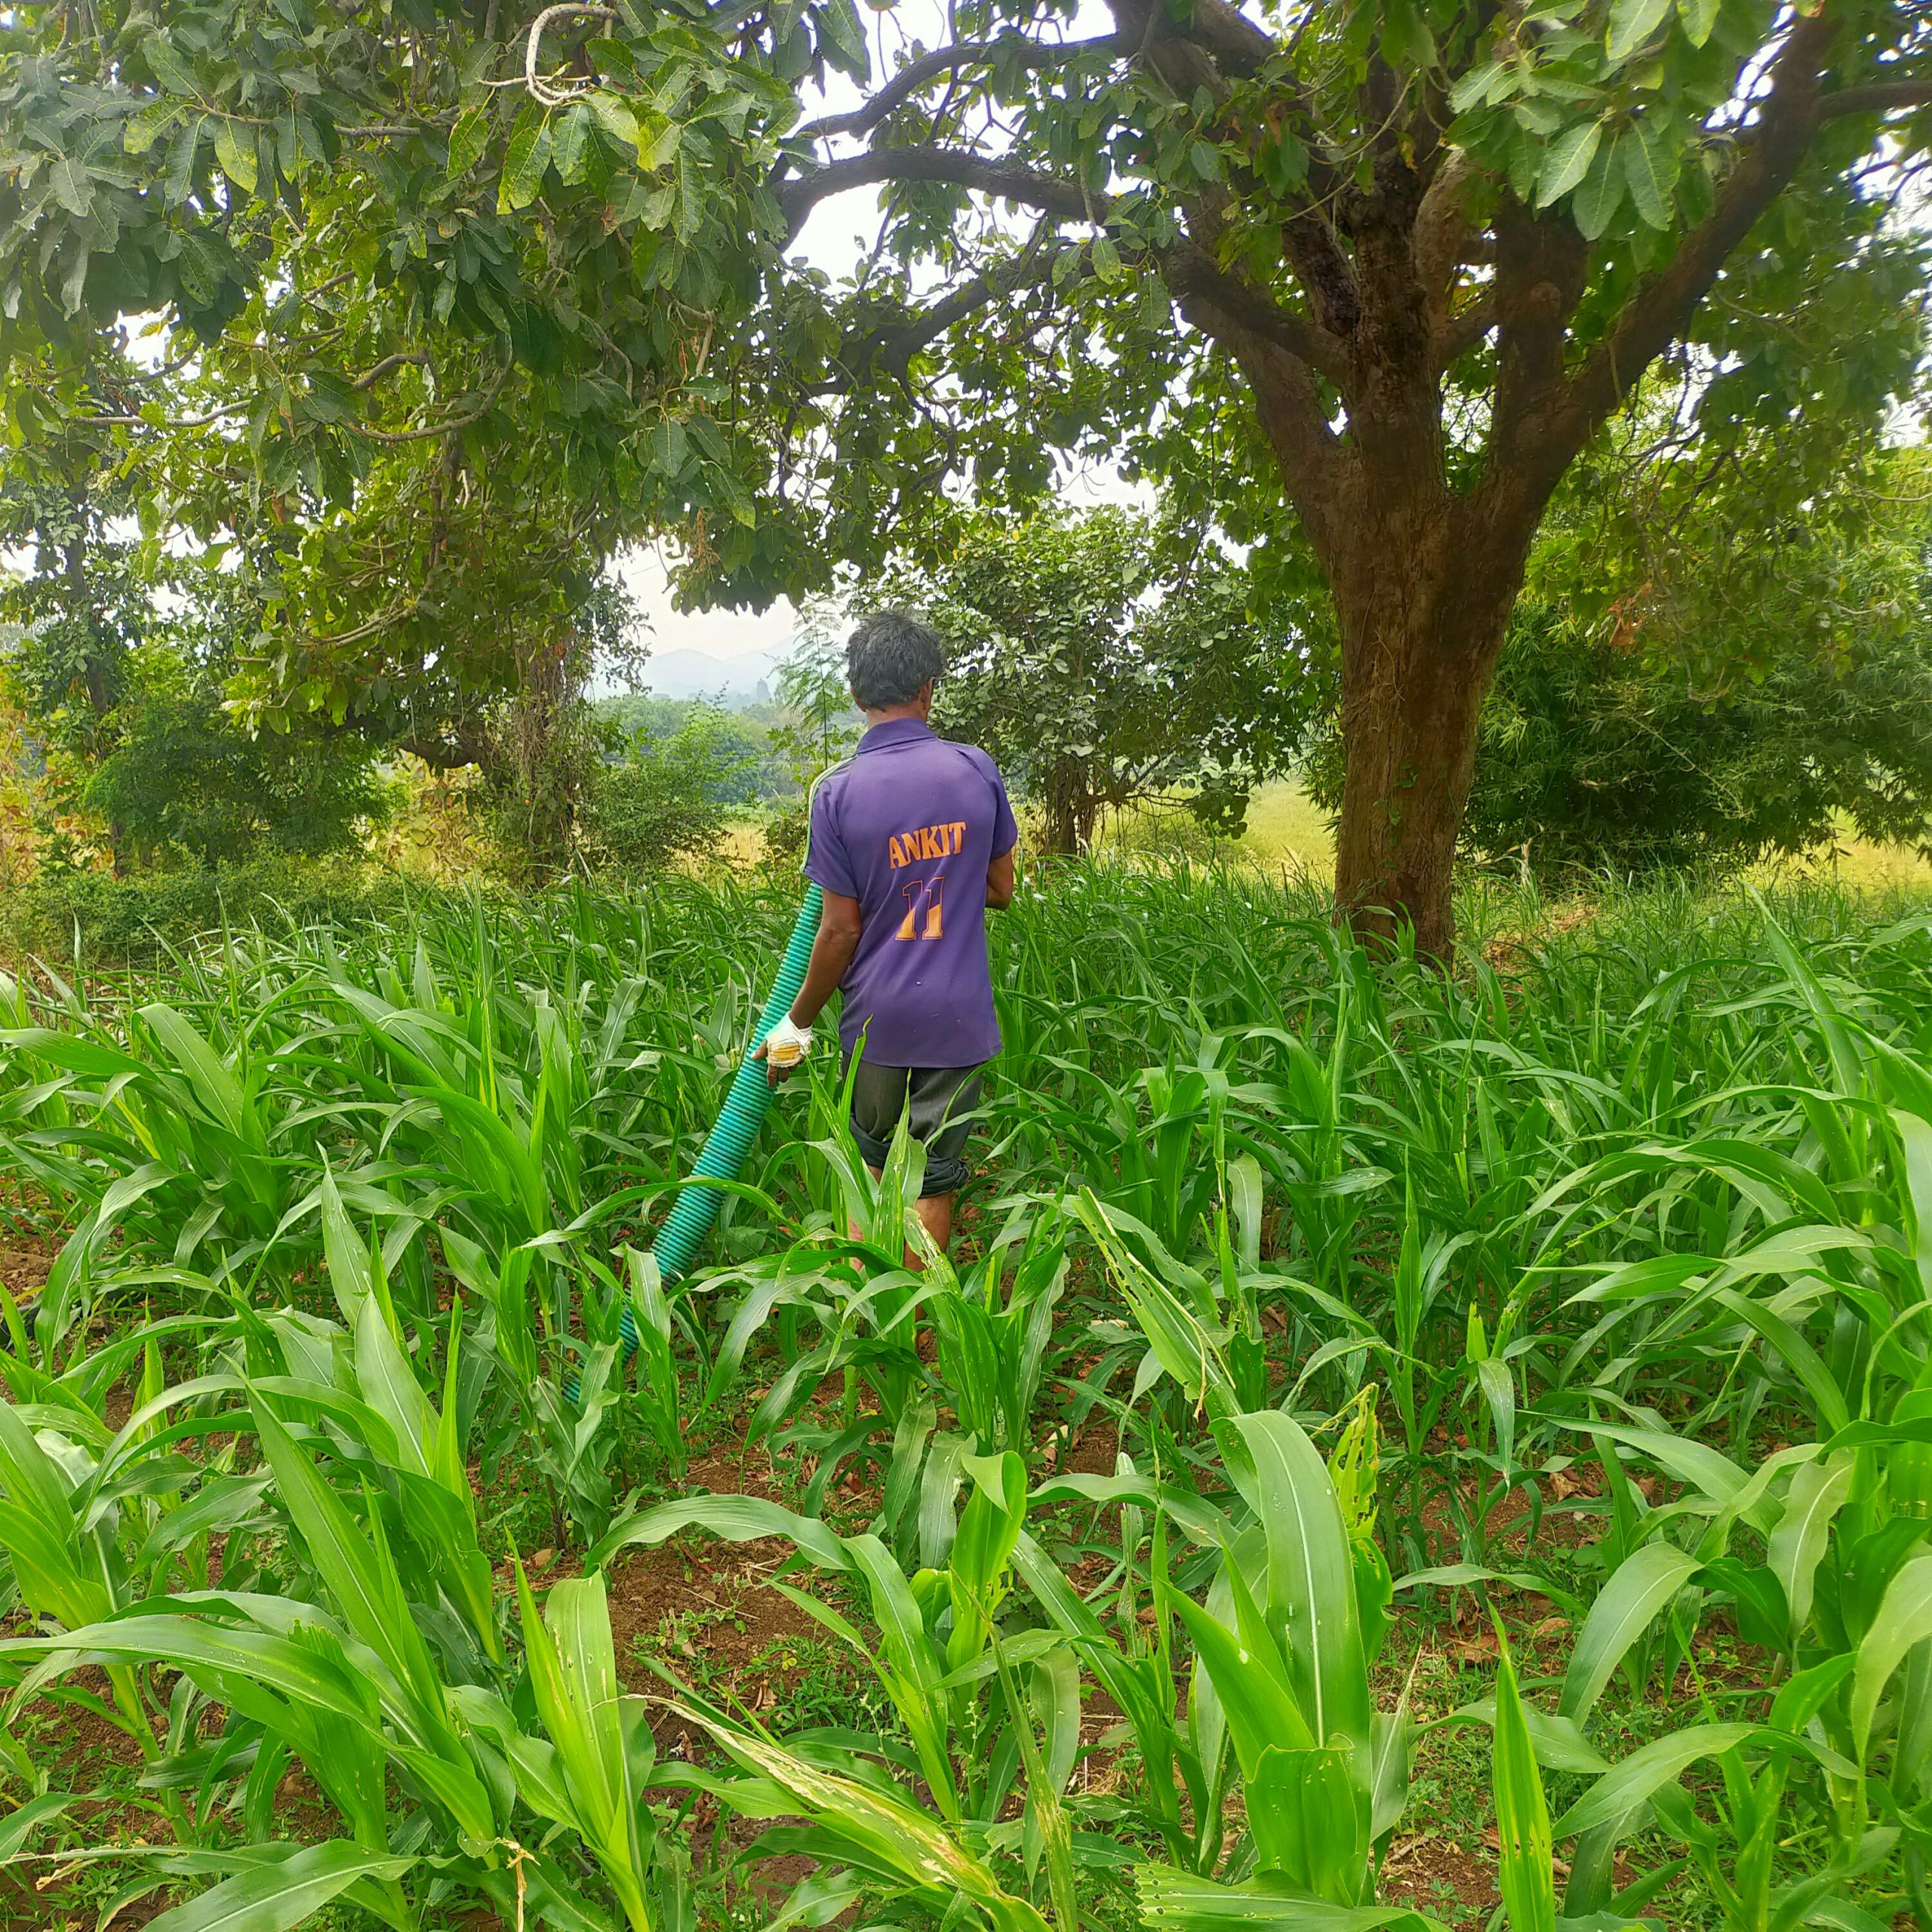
(685, 673)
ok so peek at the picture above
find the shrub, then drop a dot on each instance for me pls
(666, 798)
(90, 916)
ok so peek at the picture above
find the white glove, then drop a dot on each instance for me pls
(786, 1045)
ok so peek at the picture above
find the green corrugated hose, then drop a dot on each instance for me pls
(695, 1207)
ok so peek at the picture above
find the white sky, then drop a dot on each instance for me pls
(719, 633)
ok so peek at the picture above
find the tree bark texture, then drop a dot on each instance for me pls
(1422, 619)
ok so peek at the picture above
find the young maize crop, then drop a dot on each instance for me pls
(1316, 1320)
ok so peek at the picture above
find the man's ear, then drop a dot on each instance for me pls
(926, 692)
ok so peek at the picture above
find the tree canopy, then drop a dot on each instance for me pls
(1365, 278)
(1105, 658)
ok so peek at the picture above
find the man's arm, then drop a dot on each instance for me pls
(999, 882)
(831, 953)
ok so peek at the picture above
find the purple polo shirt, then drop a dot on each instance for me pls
(907, 827)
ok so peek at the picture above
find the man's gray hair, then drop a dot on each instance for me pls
(891, 658)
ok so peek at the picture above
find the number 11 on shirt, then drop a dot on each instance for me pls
(928, 892)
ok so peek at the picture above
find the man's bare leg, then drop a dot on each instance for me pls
(935, 1213)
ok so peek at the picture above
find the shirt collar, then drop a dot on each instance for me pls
(895, 731)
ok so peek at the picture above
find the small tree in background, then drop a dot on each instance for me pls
(119, 674)
(667, 798)
(1671, 693)
(820, 724)
(186, 781)
(1107, 658)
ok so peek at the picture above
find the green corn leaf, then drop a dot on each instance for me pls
(1312, 1599)
(734, 1518)
(389, 1386)
(1904, 1619)
(215, 1086)
(1522, 1812)
(346, 1259)
(29, 1477)
(897, 1835)
(1915, 1141)
(18, 1826)
(1797, 1546)
(1639, 1589)
(1559, 1743)
(1697, 1463)
(1828, 1400)
(1202, 1520)
(210, 1652)
(1804, 1694)
(1180, 1902)
(361, 1578)
(281, 1893)
(1628, 1783)
(1309, 1816)
(1260, 1710)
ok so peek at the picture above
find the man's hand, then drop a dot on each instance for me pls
(783, 1049)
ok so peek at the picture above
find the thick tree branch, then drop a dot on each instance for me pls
(917, 74)
(401, 359)
(890, 346)
(1442, 229)
(1193, 275)
(1457, 334)
(1879, 97)
(1288, 401)
(1190, 273)
(1008, 180)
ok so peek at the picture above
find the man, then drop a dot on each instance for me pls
(911, 837)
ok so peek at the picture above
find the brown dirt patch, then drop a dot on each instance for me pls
(1428, 1872)
(708, 1602)
(1093, 1451)
(24, 1266)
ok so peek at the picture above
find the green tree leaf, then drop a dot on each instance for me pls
(525, 160)
(1567, 161)
(1631, 23)
(466, 140)
(235, 148)
(1600, 191)
(1650, 167)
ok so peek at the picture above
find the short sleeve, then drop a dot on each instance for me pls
(828, 864)
(1006, 828)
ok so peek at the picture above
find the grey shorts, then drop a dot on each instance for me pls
(933, 1100)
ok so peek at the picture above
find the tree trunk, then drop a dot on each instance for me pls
(1061, 832)
(1423, 610)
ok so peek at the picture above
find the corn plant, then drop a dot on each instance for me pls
(433, 1776)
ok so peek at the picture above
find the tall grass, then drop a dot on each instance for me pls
(1379, 1278)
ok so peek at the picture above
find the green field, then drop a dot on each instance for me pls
(1354, 1388)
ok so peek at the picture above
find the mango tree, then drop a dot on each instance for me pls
(1389, 263)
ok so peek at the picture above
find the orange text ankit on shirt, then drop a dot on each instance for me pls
(907, 827)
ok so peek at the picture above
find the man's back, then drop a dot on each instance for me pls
(909, 826)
